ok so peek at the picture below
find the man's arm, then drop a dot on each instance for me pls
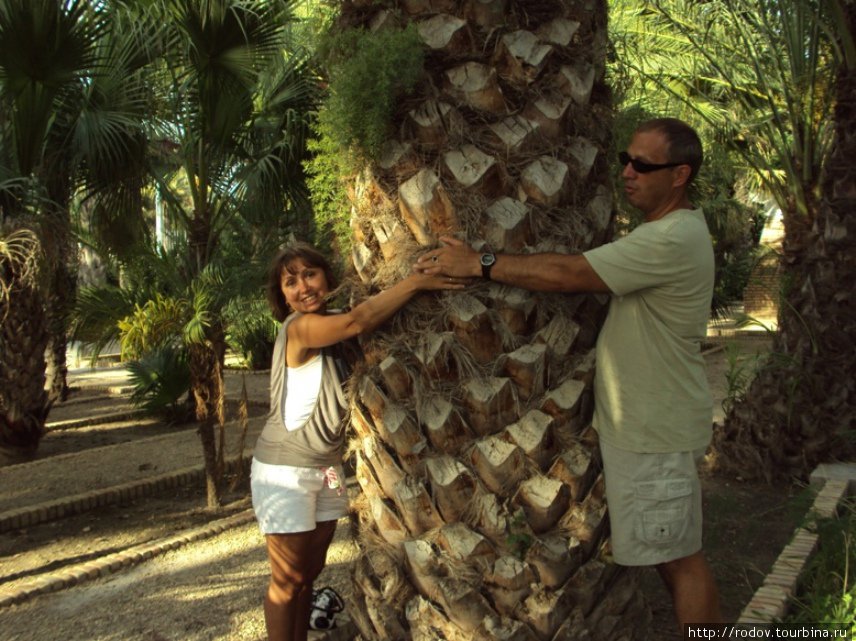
(547, 272)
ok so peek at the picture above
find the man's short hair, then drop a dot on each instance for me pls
(684, 143)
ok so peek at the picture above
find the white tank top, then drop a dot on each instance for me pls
(301, 394)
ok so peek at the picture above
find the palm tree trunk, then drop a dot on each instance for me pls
(482, 515)
(63, 292)
(206, 385)
(801, 408)
(23, 336)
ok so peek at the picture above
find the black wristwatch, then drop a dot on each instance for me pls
(487, 261)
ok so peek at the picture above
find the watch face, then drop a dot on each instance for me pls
(487, 260)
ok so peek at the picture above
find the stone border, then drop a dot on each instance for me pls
(116, 494)
(770, 601)
(75, 423)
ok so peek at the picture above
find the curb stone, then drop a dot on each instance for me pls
(80, 503)
(770, 601)
(76, 423)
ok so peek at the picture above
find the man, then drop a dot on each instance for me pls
(653, 409)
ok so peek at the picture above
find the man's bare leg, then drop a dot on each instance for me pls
(693, 589)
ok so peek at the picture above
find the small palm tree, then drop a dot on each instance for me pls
(233, 110)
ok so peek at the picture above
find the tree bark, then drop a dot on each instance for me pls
(24, 403)
(483, 517)
(206, 385)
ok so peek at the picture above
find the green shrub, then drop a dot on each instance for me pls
(369, 73)
(251, 331)
(826, 597)
(152, 325)
(161, 379)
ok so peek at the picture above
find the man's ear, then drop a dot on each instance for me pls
(681, 176)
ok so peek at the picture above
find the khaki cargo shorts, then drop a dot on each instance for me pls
(654, 503)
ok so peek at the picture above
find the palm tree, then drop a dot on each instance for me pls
(482, 515)
(801, 408)
(232, 105)
(23, 400)
(763, 75)
(58, 124)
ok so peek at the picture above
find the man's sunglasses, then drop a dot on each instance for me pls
(642, 167)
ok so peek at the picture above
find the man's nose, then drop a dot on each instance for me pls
(628, 171)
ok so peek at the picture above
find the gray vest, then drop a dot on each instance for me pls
(320, 442)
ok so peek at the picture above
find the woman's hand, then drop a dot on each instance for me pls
(425, 282)
(453, 258)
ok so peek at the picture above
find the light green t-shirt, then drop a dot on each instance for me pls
(651, 391)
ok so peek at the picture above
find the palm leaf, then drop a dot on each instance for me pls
(160, 379)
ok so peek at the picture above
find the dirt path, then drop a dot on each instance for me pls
(212, 589)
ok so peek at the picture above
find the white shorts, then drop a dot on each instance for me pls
(654, 503)
(289, 499)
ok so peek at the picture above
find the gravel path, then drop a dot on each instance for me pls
(209, 591)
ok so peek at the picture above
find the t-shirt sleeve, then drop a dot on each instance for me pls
(642, 259)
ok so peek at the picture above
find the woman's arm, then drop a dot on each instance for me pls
(311, 332)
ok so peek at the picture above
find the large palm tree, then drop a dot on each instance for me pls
(482, 515)
(23, 400)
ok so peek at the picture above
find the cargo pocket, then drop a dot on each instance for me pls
(664, 510)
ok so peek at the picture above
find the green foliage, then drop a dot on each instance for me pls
(369, 73)
(826, 596)
(330, 169)
(741, 371)
(519, 538)
(96, 315)
(152, 325)
(758, 73)
(161, 378)
(251, 331)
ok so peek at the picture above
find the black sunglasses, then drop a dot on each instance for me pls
(642, 167)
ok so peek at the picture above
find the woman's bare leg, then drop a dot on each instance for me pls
(296, 560)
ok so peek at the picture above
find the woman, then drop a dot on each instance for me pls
(297, 478)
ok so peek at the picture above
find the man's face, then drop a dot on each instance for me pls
(650, 191)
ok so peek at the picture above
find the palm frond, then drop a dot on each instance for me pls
(768, 66)
(96, 316)
(20, 257)
(160, 379)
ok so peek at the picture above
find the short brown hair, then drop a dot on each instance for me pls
(684, 143)
(309, 255)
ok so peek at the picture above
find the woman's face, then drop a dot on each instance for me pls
(304, 286)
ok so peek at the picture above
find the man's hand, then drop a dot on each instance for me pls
(455, 259)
